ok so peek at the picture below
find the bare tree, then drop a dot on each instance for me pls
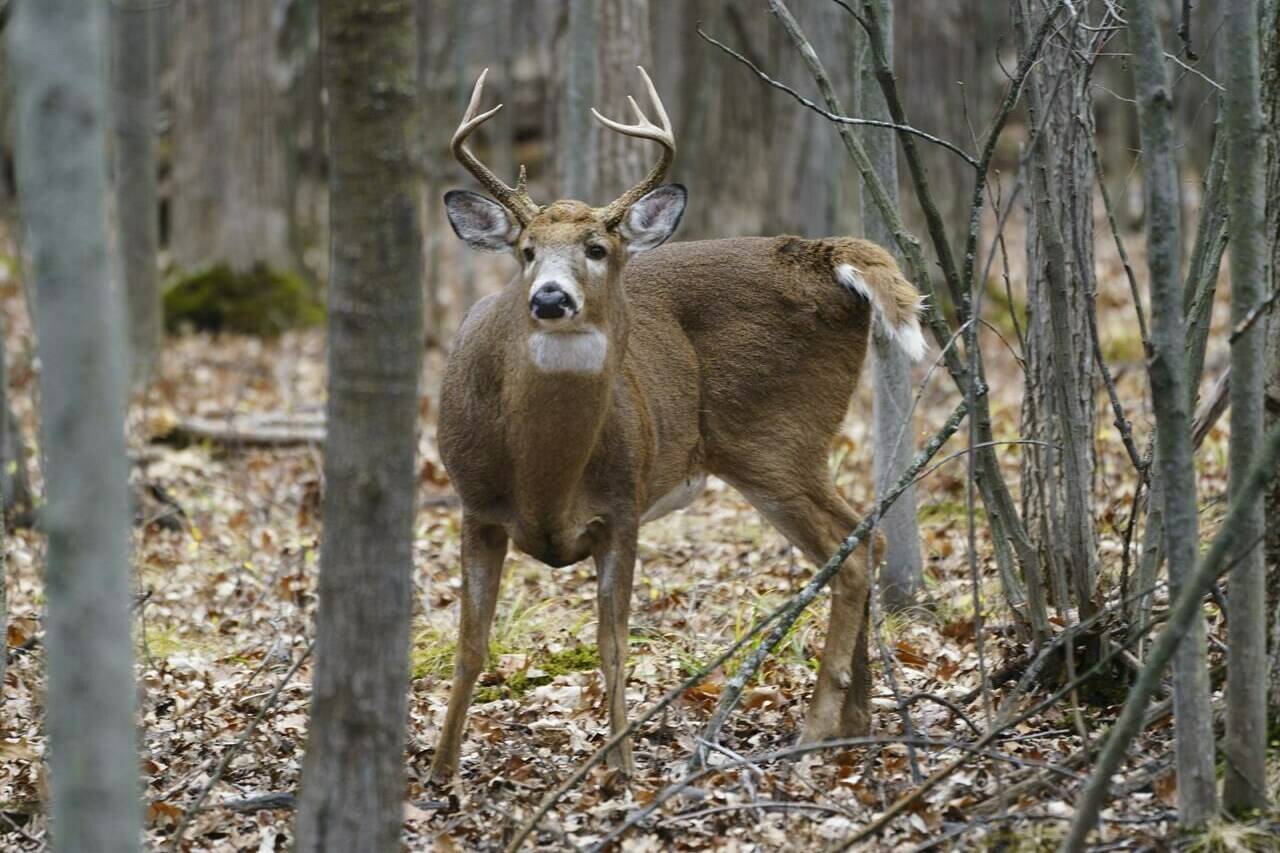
(133, 107)
(1245, 787)
(229, 199)
(1174, 455)
(353, 774)
(1058, 404)
(903, 572)
(57, 52)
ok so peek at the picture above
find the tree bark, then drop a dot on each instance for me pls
(894, 430)
(57, 51)
(229, 181)
(1245, 786)
(1168, 364)
(1058, 405)
(133, 102)
(353, 773)
(624, 44)
(577, 147)
(1270, 26)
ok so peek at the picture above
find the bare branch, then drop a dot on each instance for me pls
(830, 116)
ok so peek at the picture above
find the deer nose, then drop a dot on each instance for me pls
(551, 302)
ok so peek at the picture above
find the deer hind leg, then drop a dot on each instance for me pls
(483, 549)
(817, 522)
(615, 566)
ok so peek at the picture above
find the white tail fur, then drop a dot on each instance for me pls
(897, 307)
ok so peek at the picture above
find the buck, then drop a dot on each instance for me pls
(612, 375)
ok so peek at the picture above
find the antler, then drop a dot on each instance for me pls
(516, 200)
(643, 129)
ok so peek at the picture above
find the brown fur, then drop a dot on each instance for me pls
(733, 357)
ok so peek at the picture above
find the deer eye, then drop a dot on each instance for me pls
(596, 252)
(528, 254)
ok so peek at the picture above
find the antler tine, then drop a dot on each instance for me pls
(516, 200)
(642, 129)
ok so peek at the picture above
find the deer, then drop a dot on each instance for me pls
(613, 374)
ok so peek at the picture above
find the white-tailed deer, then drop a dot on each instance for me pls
(599, 389)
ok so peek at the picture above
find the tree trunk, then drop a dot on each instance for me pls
(1167, 368)
(1270, 20)
(57, 54)
(624, 44)
(435, 231)
(894, 431)
(133, 103)
(1245, 786)
(577, 145)
(353, 773)
(229, 195)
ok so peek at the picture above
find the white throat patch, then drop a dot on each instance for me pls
(581, 351)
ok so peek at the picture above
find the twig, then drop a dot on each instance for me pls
(1184, 610)
(234, 749)
(1255, 313)
(830, 116)
(806, 748)
(1211, 410)
(786, 609)
(732, 690)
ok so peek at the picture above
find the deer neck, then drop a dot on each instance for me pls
(557, 400)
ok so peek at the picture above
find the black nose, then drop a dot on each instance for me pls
(550, 302)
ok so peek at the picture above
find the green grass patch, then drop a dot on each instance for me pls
(541, 670)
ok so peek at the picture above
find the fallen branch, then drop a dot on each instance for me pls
(237, 431)
(234, 750)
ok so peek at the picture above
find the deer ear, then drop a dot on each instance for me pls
(652, 219)
(481, 222)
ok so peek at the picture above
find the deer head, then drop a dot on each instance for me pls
(571, 254)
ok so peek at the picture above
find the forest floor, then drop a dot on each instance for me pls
(226, 562)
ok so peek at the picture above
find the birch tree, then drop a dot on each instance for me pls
(133, 99)
(1245, 786)
(1175, 464)
(353, 773)
(57, 52)
(903, 572)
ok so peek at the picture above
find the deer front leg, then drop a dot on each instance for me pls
(483, 549)
(616, 568)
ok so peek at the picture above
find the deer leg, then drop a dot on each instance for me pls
(616, 568)
(817, 523)
(483, 549)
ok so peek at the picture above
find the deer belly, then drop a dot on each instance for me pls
(678, 498)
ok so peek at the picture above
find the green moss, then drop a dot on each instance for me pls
(944, 511)
(578, 658)
(259, 301)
